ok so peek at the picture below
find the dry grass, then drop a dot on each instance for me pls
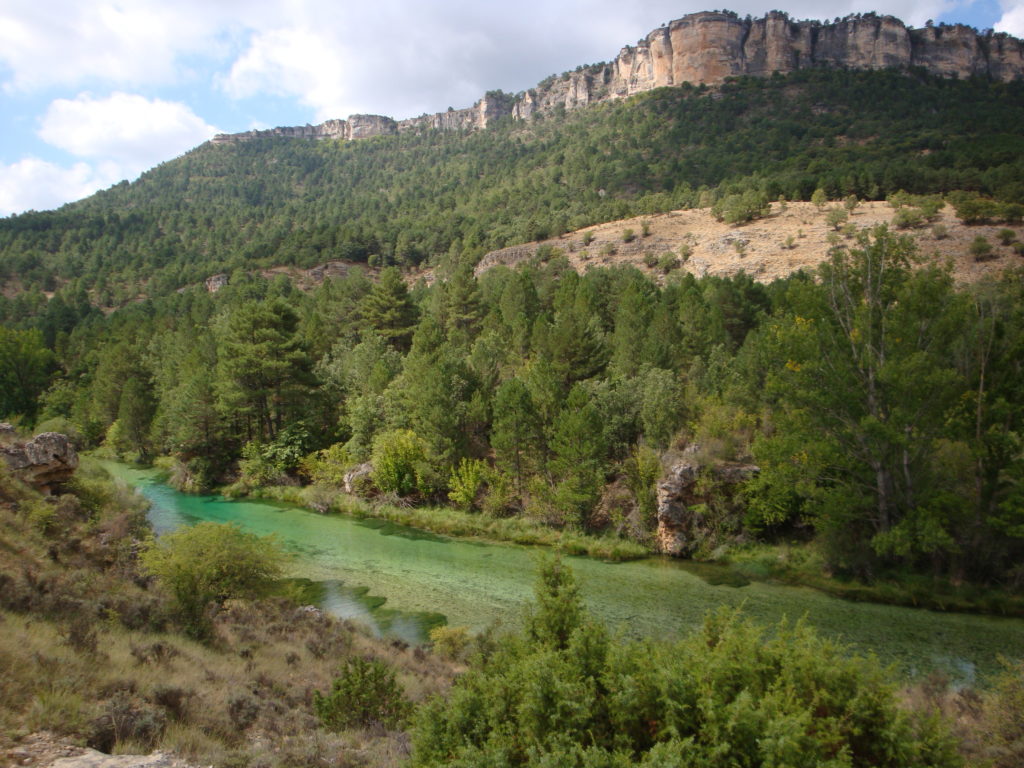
(789, 239)
(89, 652)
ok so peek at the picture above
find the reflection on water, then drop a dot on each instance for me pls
(357, 604)
(401, 582)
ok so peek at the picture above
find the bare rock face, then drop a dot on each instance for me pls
(215, 282)
(45, 462)
(685, 517)
(706, 48)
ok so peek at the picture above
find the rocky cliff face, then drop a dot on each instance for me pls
(695, 509)
(706, 48)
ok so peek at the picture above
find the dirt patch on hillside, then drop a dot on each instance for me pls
(794, 236)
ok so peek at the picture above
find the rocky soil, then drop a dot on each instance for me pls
(792, 237)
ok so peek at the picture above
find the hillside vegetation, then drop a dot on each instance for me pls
(879, 394)
(443, 197)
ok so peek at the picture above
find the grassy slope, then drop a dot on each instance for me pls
(89, 651)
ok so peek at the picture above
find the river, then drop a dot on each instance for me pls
(400, 581)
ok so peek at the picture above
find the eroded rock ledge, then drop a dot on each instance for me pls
(45, 462)
(706, 48)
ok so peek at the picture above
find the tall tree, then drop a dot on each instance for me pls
(389, 310)
(866, 379)
(25, 369)
(263, 368)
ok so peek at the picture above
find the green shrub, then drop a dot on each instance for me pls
(908, 218)
(1006, 236)
(981, 248)
(210, 563)
(741, 208)
(466, 483)
(257, 467)
(836, 217)
(628, 235)
(731, 694)
(401, 464)
(365, 693)
(668, 262)
(329, 465)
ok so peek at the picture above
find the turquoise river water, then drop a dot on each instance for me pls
(400, 581)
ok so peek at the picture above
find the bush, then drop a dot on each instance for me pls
(628, 235)
(668, 262)
(731, 694)
(328, 466)
(1002, 723)
(908, 218)
(364, 693)
(836, 217)
(1006, 236)
(466, 483)
(738, 209)
(450, 642)
(401, 464)
(210, 563)
(981, 248)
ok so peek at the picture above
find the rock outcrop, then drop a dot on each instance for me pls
(356, 479)
(45, 462)
(705, 49)
(687, 519)
(90, 758)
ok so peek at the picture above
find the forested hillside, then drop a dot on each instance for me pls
(880, 402)
(441, 197)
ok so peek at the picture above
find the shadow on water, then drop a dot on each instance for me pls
(388, 528)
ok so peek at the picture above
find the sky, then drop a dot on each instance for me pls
(93, 92)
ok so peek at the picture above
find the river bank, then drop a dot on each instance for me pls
(401, 581)
(791, 564)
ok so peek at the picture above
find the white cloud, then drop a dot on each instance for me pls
(32, 183)
(292, 62)
(117, 138)
(1012, 20)
(124, 129)
(69, 42)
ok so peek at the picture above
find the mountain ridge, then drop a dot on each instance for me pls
(706, 48)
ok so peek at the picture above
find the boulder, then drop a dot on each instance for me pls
(45, 462)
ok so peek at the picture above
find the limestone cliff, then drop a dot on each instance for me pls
(706, 48)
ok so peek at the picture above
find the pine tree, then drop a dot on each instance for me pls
(389, 310)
